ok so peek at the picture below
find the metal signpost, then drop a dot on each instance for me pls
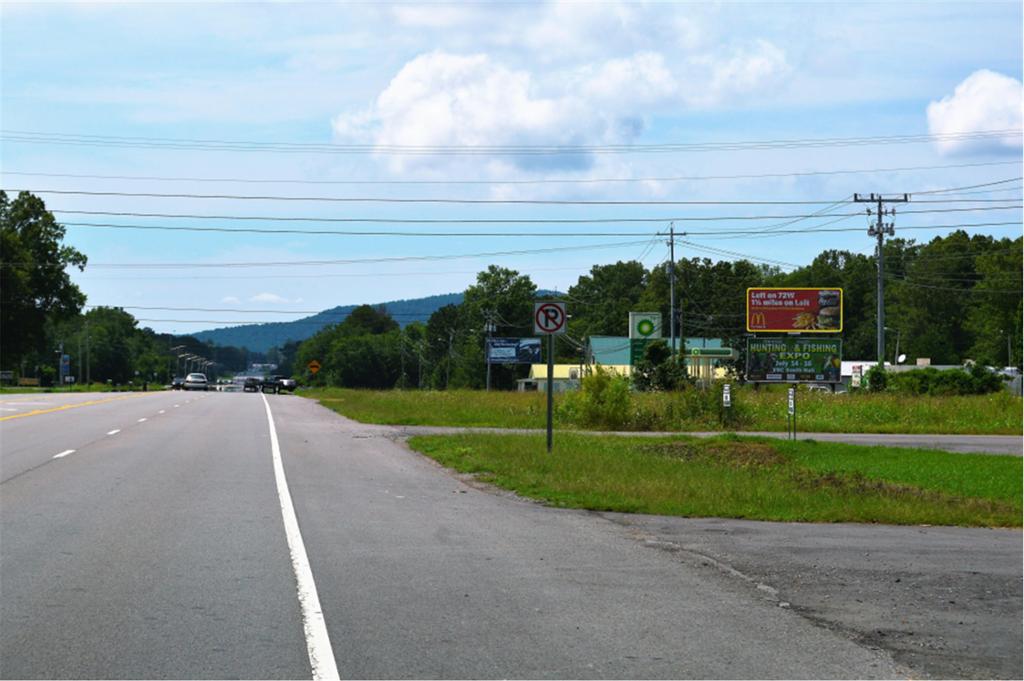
(549, 319)
(791, 414)
(726, 396)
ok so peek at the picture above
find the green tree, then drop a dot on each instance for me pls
(505, 298)
(602, 300)
(33, 280)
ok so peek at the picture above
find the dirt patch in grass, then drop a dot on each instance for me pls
(744, 455)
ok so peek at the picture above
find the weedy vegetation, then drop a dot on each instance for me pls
(737, 477)
(607, 403)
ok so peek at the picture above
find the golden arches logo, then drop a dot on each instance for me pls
(757, 320)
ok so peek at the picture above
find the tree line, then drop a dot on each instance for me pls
(953, 298)
(950, 299)
(42, 311)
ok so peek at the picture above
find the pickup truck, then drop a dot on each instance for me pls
(277, 384)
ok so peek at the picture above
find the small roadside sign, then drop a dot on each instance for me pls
(549, 318)
(792, 401)
(313, 366)
(726, 396)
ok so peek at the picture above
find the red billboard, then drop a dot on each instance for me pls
(792, 310)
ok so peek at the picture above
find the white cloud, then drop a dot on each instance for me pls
(230, 299)
(440, 99)
(985, 100)
(756, 68)
(268, 298)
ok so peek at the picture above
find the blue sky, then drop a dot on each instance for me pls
(471, 75)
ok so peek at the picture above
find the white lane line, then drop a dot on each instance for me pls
(64, 453)
(162, 411)
(143, 419)
(318, 643)
(114, 432)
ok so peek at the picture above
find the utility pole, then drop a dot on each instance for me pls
(879, 230)
(88, 375)
(489, 328)
(672, 287)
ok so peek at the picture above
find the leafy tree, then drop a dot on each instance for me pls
(602, 300)
(445, 333)
(363, 351)
(33, 279)
(658, 370)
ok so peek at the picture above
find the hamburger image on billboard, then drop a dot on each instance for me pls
(788, 310)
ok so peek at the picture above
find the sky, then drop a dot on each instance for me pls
(256, 103)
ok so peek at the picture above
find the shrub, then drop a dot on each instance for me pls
(877, 379)
(603, 401)
(930, 381)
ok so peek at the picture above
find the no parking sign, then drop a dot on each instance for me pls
(549, 318)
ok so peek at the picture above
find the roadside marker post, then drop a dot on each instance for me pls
(791, 414)
(549, 318)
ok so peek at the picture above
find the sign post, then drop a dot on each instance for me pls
(791, 414)
(549, 319)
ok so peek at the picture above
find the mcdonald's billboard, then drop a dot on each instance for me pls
(792, 310)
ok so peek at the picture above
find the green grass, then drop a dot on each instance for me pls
(93, 388)
(737, 477)
(998, 413)
(435, 408)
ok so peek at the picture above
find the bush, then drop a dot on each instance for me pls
(603, 401)
(877, 379)
(930, 381)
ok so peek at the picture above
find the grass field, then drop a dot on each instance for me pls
(738, 477)
(93, 388)
(998, 413)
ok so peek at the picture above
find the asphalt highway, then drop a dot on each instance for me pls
(210, 535)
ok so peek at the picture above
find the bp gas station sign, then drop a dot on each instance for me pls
(644, 325)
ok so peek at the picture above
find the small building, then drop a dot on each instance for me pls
(566, 376)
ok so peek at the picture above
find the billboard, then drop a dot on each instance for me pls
(513, 351)
(795, 310)
(794, 360)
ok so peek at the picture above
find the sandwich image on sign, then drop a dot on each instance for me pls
(829, 310)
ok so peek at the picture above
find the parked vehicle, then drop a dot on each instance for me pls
(251, 385)
(177, 382)
(195, 382)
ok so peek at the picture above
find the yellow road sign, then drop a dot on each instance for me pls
(313, 366)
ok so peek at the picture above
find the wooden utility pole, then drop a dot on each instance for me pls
(879, 230)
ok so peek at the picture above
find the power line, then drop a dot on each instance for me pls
(343, 315)
(747, 232)
(490, 221)
(546, 181)
(971, 186)
(349, 261)
(35, 137)
(462, 201)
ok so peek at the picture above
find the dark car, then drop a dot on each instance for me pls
(251, 385)
(177, 382)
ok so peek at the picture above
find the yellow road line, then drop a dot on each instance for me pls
(68, 406)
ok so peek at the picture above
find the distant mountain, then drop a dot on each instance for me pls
(262, 337)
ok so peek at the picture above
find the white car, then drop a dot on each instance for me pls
(195, 382)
